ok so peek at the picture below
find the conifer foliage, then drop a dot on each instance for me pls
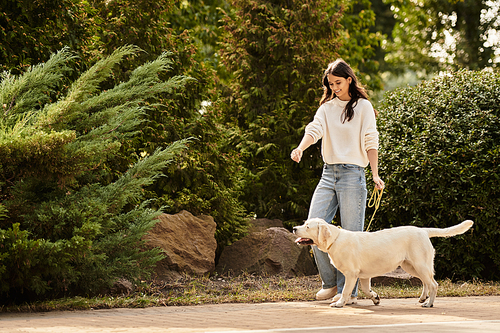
(277, 51)
(72, 213)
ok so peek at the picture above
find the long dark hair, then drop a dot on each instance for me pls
(341, 69)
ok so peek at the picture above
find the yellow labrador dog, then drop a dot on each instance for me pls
(367, 254)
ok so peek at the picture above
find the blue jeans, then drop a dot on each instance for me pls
(342, 187)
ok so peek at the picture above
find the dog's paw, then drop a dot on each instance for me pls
(421, 300)
(374, 297)
(427, 305)
(337, 304)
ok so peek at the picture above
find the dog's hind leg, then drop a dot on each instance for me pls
(408, 268)
(425, 292)
(432, 286)
(364, 285)
(426, 274)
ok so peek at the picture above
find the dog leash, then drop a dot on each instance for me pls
(374, 202)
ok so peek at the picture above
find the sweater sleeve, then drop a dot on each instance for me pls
(316, 127)
(370, 128)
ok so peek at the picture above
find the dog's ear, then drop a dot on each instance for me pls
(325, 236)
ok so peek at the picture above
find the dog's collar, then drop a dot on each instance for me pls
(328, 248)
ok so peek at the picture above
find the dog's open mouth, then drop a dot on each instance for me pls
(304, 241)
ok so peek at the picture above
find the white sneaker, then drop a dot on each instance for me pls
(324, 294)
(351, 300)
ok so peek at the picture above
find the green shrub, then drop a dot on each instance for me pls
(73, 208)
(440, 157)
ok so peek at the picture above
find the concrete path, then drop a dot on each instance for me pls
(450, 314)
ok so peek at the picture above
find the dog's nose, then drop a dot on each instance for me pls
(294, 228)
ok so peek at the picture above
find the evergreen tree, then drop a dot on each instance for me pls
(72, 210)
(32, 30)
(276, 51)
(202, 18)
(360, 44)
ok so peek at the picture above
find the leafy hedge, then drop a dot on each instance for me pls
(440, 156)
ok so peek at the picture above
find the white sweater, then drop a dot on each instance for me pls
(348, 142)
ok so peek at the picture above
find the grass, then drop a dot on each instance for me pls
(242, 289)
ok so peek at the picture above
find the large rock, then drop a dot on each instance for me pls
(188, 243)
(269, 252)
(258, 225)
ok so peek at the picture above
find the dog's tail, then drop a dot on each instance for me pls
(451, 231)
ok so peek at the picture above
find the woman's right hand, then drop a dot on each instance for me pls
(296, 155)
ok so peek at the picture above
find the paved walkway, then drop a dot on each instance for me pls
(450, 314)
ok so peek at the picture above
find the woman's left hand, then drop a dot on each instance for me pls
(379, 183)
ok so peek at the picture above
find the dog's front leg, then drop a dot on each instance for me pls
(364, 284)
(350, 283)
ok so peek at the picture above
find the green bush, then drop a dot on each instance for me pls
(73, 208)
(440, 157)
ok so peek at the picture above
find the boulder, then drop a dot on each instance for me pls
(188, 243)
(258, 225)
(122, 287)
(269, 252)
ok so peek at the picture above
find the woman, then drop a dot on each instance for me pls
(345, 121)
